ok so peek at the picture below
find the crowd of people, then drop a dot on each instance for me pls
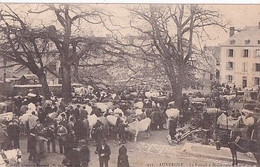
(52, 121)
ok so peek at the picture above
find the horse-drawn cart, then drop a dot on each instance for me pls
(188, 132)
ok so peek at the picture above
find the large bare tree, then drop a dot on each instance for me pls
(170, 34)
(20, 45)
(69, 38)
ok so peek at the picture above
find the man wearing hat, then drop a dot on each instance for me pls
(13, 131)
(103, 151)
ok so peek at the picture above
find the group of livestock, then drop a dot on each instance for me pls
(48, 121)
(107, 115)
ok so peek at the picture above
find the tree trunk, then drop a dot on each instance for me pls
(177, 92)
(176, 82)
(45, 87)
(66, 82)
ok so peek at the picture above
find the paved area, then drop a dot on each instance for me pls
(152, 152)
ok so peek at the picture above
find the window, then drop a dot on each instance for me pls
(257, 80)
(258, 41)
(247, 41)
(245, 53)
(211, 77)
(230, 66)
(244, 82)
(245, 67)
(257, 53)
(232, 41)
(257, 67)
(230, 78)
(217, 74)
(217, 63)
(230, 53)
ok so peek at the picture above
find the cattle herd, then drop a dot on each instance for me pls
(117, 116)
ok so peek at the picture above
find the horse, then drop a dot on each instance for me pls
(236, 143)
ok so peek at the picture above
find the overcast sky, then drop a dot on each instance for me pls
(238, 16)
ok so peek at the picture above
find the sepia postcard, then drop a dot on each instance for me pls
(129, 84)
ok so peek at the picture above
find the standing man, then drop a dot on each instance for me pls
(13, 132)
(103, 151)
(62, 133)
(121, 129)
(76, 112)
(172, 128)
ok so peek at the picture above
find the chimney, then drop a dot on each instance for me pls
(231, 31)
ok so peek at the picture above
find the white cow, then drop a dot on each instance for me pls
(139, 126)
(139, 105)
(229, 97)
(89, 109)
(31, 107)
(14, 158)
(112, 119)
(138, 111)
(24, 118)
(172, 112)
(248, 121)
(92, 120)
(104, 106)
(119, 111)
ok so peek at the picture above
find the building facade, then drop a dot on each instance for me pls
(240, 58)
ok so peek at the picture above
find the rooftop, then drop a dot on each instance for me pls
(248, 36)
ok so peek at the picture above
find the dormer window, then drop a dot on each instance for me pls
(232, 41)
(247, 41)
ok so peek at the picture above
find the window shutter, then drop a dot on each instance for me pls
(227, 65)
(249, 53)
(253, 81)
(227, 53)
(242, 53)
(253, 67)
(233, 66)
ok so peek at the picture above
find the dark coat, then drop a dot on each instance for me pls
(85, 155)
(31, 144)
(79, 129)
(106, 151)
(83, 114)
(76, 113)
(79, 155)
(122, 160)
(172, 128)
(13, 130)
